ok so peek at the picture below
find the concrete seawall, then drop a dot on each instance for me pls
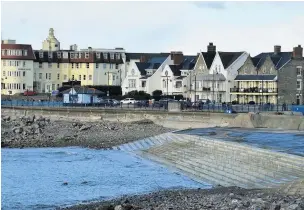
(176, 120)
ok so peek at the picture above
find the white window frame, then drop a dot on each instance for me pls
(117, 56)
(49, 65)
(58, 76)
(40, 76)
(105, 55)
(40, 54)
(71, 55)
(25, 52)
(79, 77)
(50, 54)
(90, 77)
(87, 55)
(40, 65)
(98, 55)
(65, 77)
(50, 76)
(300, 70)
(112, 56)
(84, 77)
(58, 54)
(88, 65)
(300, 85)
(97, 65)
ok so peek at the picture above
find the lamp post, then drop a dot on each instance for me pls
(213, 81)
(108, 93)
(190, 86)
(195, 88)
(166, 73)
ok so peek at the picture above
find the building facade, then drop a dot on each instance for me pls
(257, 79)
(291, 79)
(17, 70)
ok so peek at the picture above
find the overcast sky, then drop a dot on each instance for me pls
(157, 26)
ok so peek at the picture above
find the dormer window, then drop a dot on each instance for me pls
(40, 54)
(80, 55)
(25, 52)
(76, 55)
(50, 55)
(72, 55)
(112, 56)
(117, 56)
(98, 55)
(65, 55)
(86, 55)
(58, 55)
(105, 55)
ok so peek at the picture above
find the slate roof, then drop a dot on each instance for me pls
(148, 56)
(255, 77)
(211, 77)
(229, 57)
(278, 60)
(187, 64)
(255, 61)
(84, 90)
(153, 63)
(142, 67)
(208, 57)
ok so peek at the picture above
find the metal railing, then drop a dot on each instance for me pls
(186, 106)
(253, 90)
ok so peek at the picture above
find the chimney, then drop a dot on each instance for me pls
(297, 52)
(177, 57)
(277, 49)
(211, 47)
(143, 59)
(73, 47)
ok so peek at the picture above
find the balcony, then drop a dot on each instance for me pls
(254, 90)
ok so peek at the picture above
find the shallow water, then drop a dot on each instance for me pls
(33, 178)
(287, 142)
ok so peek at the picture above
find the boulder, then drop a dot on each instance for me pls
(6, 118)
(17, 129)
(85, 127)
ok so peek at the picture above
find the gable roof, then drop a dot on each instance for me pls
(228, 58)
(278, 60)
(208, 57)
(142, 67)
(255, 61)
(153, 63)
(84, 90)
(188, 64)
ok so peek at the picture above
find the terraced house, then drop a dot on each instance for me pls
(52, 66)
(257, 79)
(17, 71)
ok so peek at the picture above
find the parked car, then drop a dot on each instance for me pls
(142, 103)
(251, 102)
(128, 101)
(29, 93)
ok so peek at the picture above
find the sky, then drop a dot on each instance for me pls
(157, 26)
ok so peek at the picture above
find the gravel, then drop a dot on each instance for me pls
(224, 198)
(37, 131)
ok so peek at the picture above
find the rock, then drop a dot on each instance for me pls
(275, 207)
(18, 130)
(35, 126)
(6, 118)
(74, 124)
(118, 207)
(293, 207)
(85, 127)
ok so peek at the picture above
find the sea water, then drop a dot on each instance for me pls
(33, 178)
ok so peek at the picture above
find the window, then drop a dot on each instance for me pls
(143, 83)
(50, 75)
(23, 86)
(104, 65)
(75, 55)
(77, 65)
(299, 70)
(16, 63)
(111, 65)
(53, 86)
(79, 77)
(40, 54)
(80, 55)
(132, 83)
(58, 54)
(72, 65)
(73, 77)
(117, 56)
(96, 65)
(57, 86)
(58, 65)
(3, 73)
(112, 56)
(24, 73)
(4, 62)
(34, 76)
(13, 52)
(116, 66)
(50, 55)
(65, 77)
(65, 55)
(88, 65)
(84, 77)
(299, 85)
(71, 55)
(90, 77)
(25, 52)
(50, 65)
(105, 55)
(65, 65)
(40, 75)
(98, 55)
(113, 77)
(86, 55)
(40, 65)
(58, 76)
(24, 63)
(3, 52)
(178, 84)
(46, 75)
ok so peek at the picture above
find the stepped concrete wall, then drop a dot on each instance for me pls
(178, 120)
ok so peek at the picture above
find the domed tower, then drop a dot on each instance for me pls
(51, 43)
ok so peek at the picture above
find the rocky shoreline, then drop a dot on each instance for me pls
(224, 198)
(38, 131)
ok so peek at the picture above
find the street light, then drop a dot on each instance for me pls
(108, 93)
(195, 87)
(213, 81)
(166, 73)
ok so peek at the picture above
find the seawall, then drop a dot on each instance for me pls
(176, 120)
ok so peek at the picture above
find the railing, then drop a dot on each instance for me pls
(253, 90)
(144, 105)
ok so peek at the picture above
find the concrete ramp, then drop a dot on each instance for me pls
(224, 163)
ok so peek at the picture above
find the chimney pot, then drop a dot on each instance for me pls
(211, 47)
(277, 49)
(298, 52)
(177, 57)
